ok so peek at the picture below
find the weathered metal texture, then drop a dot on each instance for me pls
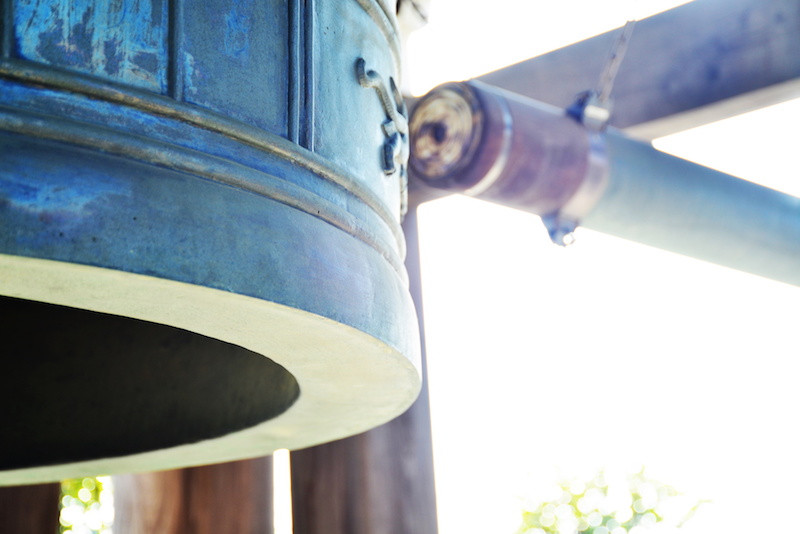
(379, 482)
(221, 61)
(651, 197)
(235, 186)
(473, 139)
(691, 65)
(118, 41)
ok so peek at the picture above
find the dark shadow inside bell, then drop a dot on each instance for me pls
(79, 385)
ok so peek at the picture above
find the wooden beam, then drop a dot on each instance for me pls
(379, 482)
(229, 498)
(691, 65)
(30, 509)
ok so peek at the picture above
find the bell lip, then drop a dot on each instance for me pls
(349, 380)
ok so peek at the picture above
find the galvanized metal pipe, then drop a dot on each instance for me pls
(485, 142)
(702, 61)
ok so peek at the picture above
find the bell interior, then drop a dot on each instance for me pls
(80, 385)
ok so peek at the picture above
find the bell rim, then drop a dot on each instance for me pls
(349, 380)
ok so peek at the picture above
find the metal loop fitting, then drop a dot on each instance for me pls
(592, 109)
(562, 223)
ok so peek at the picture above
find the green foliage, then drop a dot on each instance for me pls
(86, 506)
(598, 507)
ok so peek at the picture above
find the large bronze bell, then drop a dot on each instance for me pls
(200, 251)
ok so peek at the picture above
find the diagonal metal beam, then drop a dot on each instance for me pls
(491, 144)
(691, 65)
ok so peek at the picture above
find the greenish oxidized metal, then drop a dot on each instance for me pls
(229, 178)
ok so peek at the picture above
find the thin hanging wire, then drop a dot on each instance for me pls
(611, 68)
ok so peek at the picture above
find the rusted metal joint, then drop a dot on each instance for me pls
(481, 141)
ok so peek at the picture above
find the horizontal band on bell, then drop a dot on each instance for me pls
(52, 77)
(197, 163)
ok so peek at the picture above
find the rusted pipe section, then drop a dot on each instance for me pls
(479, 140)
(482, 141)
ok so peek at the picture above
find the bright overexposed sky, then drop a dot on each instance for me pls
(547, 362)
(467, 38)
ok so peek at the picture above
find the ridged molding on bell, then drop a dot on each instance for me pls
(200, 248)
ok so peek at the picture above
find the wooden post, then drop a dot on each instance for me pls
(229, 498)
(379, 482)
(30, 509)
